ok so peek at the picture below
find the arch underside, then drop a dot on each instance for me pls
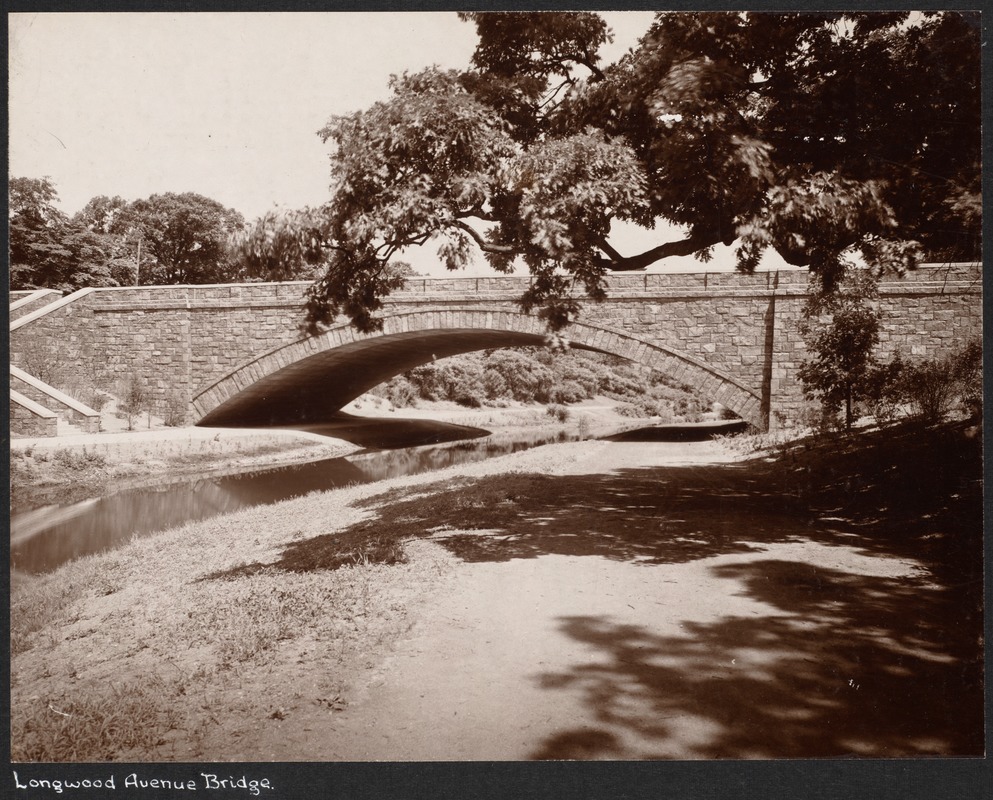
(306, 382)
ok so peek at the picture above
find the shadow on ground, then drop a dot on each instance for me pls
(850, 664)
(682, 432)
(855, 665)
(903, 492)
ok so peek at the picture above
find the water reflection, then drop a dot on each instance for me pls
(44, 538)
(390, 433)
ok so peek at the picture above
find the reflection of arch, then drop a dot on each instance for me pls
(309, 379)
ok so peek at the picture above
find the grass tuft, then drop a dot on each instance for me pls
(93, 724)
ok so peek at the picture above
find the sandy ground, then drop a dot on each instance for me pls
(577, 657)
(651, 601)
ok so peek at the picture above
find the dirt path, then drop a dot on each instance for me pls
(554, 658)
(744, 654)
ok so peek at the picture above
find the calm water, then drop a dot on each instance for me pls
(44, 538)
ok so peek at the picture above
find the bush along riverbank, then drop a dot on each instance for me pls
(215, 640)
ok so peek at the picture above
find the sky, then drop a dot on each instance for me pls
(224, 104)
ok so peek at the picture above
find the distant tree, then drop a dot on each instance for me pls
(841, 330)
(186, 234)
(103, 214)
(179, 238)
(32, 202)
(818, 135)
(291, 245)
(47, 250)
(111, 218)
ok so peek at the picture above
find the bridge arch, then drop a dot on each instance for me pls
(309, 379)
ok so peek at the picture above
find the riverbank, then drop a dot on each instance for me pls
(287, 632)
(68, 469)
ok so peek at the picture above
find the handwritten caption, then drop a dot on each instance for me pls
(205, 781)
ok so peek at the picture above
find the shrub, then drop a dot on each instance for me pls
(397, 390)
(89, 395)
(559, 412)
(46, 362)
(175, 410)
(527, 378)
(76, 460)
(967, 368)
(820, 418)
(883, 390)
(582, 379)
(495, 384)
(929, 386)
(688, 408)
(568, 391)
(134, 398)
(647, 407)
(725, 413)
(536, 375)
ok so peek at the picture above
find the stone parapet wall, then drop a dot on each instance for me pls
(24, 303)
(178, 340)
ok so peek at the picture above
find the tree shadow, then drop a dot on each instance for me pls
(852, 666)
(913, 494)
(649, 516)
(846, 664)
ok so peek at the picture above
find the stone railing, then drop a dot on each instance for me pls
(29, 419)
(23, 303)
(48, 397)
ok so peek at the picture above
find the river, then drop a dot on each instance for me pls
(42, 539)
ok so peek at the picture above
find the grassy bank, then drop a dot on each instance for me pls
(65, 472)
(187, 644)
(58, 473)
(204, 661)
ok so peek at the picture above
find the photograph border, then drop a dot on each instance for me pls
(906, 779)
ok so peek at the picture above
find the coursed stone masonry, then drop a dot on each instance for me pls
(223, 350)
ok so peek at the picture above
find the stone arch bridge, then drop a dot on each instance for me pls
(232, 355)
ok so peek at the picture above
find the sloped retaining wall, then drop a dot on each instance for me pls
(29, 419)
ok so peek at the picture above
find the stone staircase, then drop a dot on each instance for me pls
(65, 428)
(36, 408)
(25, 302)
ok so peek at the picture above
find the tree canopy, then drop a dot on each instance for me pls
(824, 136)
(187, 234)
(178, 238)
(48, 250)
